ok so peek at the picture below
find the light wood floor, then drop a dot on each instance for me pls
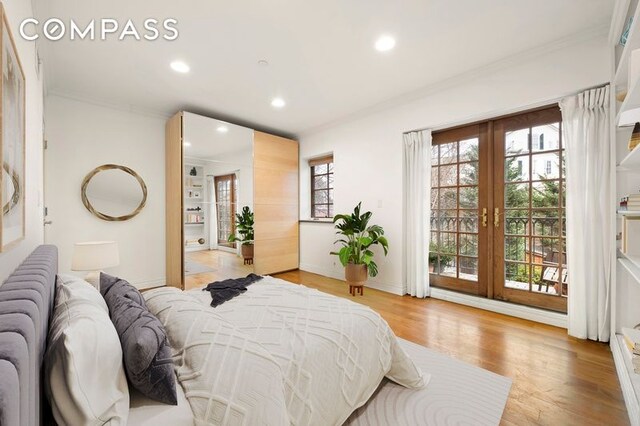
(557, 380)
(225, 265)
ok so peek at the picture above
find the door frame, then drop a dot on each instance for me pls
(479, 287)
(533, 118)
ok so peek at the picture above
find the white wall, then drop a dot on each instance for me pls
(82, 136)
(368, 150)
(18, 10)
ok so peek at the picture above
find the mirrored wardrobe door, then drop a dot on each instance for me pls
(217, 200)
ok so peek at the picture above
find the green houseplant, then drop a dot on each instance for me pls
(357, 238)
(436, 250)
(244, 234)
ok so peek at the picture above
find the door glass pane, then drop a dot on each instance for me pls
(469, 173)
(545, 194)
(516, 195)
(516, 142)
(469, 150)
(468, 220)
(468, 244)
(516, 222)
(448, 175)
(469, 197)
(516, 276)
(516, 169)
(469, 268)
(545, 138)
(545, 166)
(449, 153)
(516, 248)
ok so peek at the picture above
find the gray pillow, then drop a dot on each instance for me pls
(147, 355)
(110, 285)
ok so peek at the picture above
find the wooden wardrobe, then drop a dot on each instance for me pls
(275, 202)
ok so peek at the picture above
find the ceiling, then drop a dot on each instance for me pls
(320, 54)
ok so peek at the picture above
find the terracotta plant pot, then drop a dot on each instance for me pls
(247, 253)
(356, 275)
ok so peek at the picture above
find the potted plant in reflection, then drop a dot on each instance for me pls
(357, 238)
(244, 234)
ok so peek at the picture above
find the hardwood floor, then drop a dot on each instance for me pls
(557, 380)
(224, 264)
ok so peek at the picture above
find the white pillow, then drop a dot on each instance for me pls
(84, 376)
(79, 288)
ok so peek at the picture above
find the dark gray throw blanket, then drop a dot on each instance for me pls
(223, 291)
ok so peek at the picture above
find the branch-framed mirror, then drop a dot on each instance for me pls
(114, 193)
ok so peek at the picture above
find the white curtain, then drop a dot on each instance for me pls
(212, 214)
(590, 198)
(417, 206)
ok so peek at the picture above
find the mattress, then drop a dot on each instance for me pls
(147, 412)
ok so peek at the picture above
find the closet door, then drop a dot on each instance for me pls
(275, 196)
(174, 202)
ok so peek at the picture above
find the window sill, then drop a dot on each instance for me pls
(330, 221)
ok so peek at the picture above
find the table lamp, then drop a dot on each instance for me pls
(95, 256)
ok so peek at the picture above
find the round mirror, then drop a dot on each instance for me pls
(11, 192)
(114, 193)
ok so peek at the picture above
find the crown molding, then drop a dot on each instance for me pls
(111, 105)
(507, 62)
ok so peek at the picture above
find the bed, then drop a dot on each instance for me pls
(278, 354)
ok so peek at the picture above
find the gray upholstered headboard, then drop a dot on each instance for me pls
(26, 302)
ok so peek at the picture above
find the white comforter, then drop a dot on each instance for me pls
(278, 354)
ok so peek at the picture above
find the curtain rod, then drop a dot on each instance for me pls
(487, 116)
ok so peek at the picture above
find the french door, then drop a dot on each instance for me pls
(226, 189)
(498, 219)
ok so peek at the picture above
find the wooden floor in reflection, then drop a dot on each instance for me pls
(224, 264)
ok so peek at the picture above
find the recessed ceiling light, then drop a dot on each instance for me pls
(222, 129)
(278, 103)
(186, 143)
(179, 66)
(263, 62)
(385, 43)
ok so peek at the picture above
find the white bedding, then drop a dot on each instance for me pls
(144, 411)
(278, 354)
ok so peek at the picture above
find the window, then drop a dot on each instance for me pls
(548, 168)
(321, 187)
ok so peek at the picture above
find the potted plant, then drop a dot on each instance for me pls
(436, 250)
(244, 234)
(357, 239)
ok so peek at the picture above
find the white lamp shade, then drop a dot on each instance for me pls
(95, 256)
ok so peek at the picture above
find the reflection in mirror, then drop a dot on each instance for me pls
(218, 200)
(114, 193)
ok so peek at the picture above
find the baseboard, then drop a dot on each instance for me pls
(506, 308)
(629, 394)
(147, 284)
(339, 275)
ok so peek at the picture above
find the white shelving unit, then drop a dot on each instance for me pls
(195, 221)
(625, 297)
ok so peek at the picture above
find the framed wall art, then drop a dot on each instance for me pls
(12, 140)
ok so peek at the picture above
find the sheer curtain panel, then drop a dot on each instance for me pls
(590, 198)
(417, 189)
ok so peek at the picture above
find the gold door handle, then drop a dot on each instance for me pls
(496, 217)
(484, 217)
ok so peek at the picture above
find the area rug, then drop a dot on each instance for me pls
(192, 268)
(457, 394)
